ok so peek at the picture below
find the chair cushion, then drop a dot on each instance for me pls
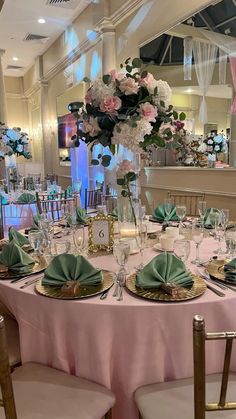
(45, 393)
(174, 399)
(13, 340)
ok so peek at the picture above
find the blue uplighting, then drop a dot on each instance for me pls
(96, 65)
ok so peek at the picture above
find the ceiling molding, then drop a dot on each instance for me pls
(33, 89)
(125, 10)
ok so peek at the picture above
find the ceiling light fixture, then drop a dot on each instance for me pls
(41, 20)
(15, 58)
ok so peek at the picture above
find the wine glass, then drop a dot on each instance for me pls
(230, 240)
(141, 239)
(202, 206)
(224, 218)
(168, 208)
(197, 237)
(182, 249)
(79, 239)
(36, 241)
(181, 213)
(121, 251)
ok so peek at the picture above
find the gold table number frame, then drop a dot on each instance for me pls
(100, 233)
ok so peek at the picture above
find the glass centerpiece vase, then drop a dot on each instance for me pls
(11, 172)
(128, 192)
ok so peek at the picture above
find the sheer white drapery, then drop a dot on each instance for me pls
(188, 56)
(225, 42)
(204, 58)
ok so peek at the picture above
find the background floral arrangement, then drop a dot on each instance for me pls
(214, 143)
(130, 108)
(13, 141)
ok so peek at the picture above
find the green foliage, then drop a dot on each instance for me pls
(86, 80)
(182, 116)
(137, 63)
(95, 162)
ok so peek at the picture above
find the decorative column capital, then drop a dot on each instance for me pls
(106, 25)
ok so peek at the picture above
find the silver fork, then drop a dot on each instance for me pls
(28, 283)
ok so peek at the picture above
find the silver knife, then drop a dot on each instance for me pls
(219, 293)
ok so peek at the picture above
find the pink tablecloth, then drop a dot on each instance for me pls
(121, 345)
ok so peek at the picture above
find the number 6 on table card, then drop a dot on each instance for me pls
(100, 233)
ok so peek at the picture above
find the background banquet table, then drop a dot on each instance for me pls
(121, 345)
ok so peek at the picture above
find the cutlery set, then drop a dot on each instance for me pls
(118, 291)
(213, 281)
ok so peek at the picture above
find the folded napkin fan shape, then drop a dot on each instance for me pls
(67, 267)
(164, 269)
(15, 258)
(19, 238)
(160, 214)
(208, 216)
(26, 198)
(230, 270)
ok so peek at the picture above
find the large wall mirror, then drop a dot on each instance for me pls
(66, 123)
(166, 55)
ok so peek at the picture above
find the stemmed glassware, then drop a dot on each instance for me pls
(167, 207)
(36, 241)
(219, 235)
(181, 213)
(182, 249)
(230, 240)
(215, 219)
(79, 239)
(202, 206)
(121, 251)
(141, 239)
(224, 218)
(197, 237)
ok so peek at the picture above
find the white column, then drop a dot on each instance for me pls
(3, 105)
(44, 116)
(108, 49)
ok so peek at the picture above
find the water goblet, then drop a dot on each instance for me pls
(182, 249)
(202, 206)
(181, 213)
(79, 238)
(219, 235)
(168, 208)
(121, 251)
(230, 241)
(36, 241)
(197, 237)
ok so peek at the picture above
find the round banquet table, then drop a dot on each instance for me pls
(121, 345)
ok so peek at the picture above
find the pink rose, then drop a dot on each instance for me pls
(110, 104)
(88, 97)
(148, 111)
(147, 81)
(91, 127)
(128, 86)
(116, 75)
(124, 167)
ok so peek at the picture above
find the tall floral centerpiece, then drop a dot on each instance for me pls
(128, 109)
(13, 143)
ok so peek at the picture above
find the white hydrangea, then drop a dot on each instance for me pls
(163, 92)
(99, 90)
(129, 136)
(202, 148)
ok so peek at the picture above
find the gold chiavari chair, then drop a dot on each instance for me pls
(35, 391)
(189, 200)
(52, 177)
(93, 198)
(186, 399)
(53, 204)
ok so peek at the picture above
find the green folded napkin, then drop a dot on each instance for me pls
(115, 213)
(81, 216)
(160, 214)
(26, 198)
(19, 238)
(16, 259)
(209, 216)
(230, 270)
(68, 267)
(164, 269)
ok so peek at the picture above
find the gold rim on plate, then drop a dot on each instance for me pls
(216, 269)
(198, 288)
(79, 292)
(39, 266)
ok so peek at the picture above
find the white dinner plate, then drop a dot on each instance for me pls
(159, 248)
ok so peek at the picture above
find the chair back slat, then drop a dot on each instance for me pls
(8, 401)
(199, 339)
(225, 375)
(53, 206)
(189, 200)
(93, 198)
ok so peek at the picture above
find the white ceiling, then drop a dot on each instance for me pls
(217, 91)
(19, 17)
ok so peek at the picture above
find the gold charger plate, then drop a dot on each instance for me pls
(198, 288)
(216, 269)
(80, 292)
(26, 247)
(39, 266)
